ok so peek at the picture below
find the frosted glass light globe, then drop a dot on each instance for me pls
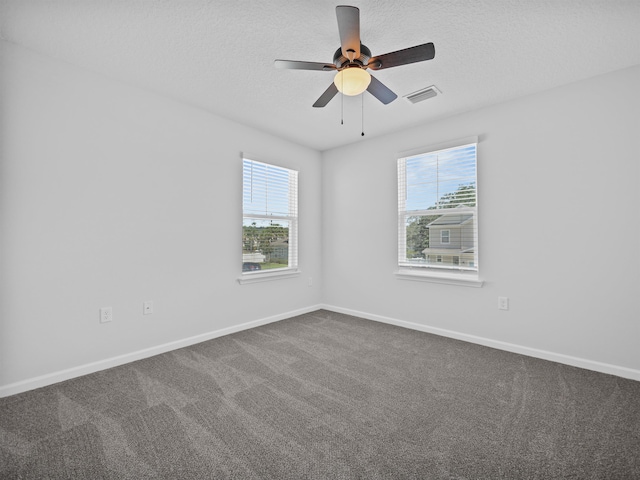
(352, 80)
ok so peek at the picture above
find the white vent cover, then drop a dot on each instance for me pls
(423, 94)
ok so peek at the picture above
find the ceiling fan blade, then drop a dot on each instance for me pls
(349, 29)
(328, 94)
(297, 65)
(380, 91)
(419, 53)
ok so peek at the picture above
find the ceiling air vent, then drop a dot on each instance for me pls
(423, 94)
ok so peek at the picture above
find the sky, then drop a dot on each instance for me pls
(432, 175)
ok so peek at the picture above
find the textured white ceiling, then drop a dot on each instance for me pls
(219, 55)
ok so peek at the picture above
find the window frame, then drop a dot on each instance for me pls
(455, 274)
(292, 268)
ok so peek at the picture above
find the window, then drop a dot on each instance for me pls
(269, 218)
(437, 212)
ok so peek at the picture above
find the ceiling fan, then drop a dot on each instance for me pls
(353, 59)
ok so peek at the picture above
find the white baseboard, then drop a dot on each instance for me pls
(55, 377)
(619, 371)
(60, 376)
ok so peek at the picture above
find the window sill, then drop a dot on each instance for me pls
(266, 276)
(460, 279)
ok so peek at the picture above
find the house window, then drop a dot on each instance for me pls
(437, 211)
(269, 218)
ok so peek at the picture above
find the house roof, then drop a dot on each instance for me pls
(280, 243)
(451, 220)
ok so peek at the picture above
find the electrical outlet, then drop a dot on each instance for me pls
(503, 303)
(147, 307)
(106, 314)
(310, 281)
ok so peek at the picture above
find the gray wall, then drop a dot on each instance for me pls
(111, 196)
(552, 169)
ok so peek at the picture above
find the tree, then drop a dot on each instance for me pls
(464, 195)
(418, 235)
(260, 238)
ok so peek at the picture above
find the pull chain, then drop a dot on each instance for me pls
(342, 101)
(362, 114)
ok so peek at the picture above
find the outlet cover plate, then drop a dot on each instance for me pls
(503, 303)
(106, 314)
(147, 307)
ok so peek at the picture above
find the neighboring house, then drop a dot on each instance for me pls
(451, 240)
(279, 249)
(253, 257)
(276, 251)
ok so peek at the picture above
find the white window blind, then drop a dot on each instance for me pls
(270, 217)
(437, 210)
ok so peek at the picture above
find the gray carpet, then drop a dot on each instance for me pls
(327, 396)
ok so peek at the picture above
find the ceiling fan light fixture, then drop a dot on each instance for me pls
(352, 80)
(353, 59)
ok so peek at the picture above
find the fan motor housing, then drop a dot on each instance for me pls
(341, 61)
